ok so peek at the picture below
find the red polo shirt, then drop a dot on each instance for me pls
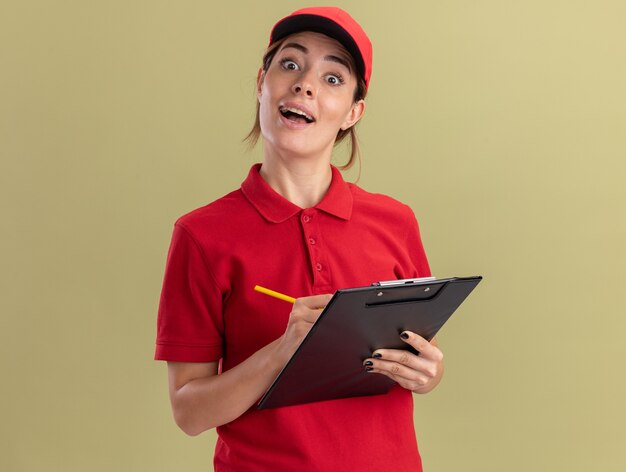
(209, 311)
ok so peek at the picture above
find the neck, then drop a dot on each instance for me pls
(303, 182)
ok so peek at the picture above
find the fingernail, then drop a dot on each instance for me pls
(368, 363)
(404, 335)
(378, 355)
(369, 369)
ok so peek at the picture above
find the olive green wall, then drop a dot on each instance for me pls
(502, 123)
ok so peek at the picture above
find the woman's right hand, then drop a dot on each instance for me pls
(305, 312)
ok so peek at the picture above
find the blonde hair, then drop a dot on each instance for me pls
(359, 94)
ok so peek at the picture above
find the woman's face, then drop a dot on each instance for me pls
(307, 95)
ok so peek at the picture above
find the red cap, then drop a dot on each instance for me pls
(335, 23)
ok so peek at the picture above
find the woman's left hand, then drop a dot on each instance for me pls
(418, 373)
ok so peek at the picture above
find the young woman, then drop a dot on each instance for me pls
(297, 227)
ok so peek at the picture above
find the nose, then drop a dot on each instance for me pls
(298, 89)
(304, 86)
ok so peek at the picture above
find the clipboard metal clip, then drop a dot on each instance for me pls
(394, 283)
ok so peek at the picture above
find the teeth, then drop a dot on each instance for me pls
(296, 111)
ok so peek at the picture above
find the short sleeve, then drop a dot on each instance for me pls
(190, 322)
(416, 248)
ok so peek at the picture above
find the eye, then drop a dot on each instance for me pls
(334, 79)
(288, 64)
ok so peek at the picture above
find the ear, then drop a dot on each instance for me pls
(260, 76)
(354, 115)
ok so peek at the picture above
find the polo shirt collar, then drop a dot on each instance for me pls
(275, 208)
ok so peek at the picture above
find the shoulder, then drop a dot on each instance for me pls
(215, 214)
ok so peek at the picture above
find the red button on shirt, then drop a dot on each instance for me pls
(254, 236)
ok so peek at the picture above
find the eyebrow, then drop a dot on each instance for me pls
(330, 57)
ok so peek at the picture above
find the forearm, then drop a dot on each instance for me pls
(202, 399)
(207, 402)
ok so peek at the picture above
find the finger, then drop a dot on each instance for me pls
(309, 308)
(412, 381)
(422, 346)
(315, 302)
(305, 314)
(427, 369)
(404, 357)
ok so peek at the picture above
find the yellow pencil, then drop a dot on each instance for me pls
(274, 294)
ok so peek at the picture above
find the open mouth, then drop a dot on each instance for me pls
(295, 115)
